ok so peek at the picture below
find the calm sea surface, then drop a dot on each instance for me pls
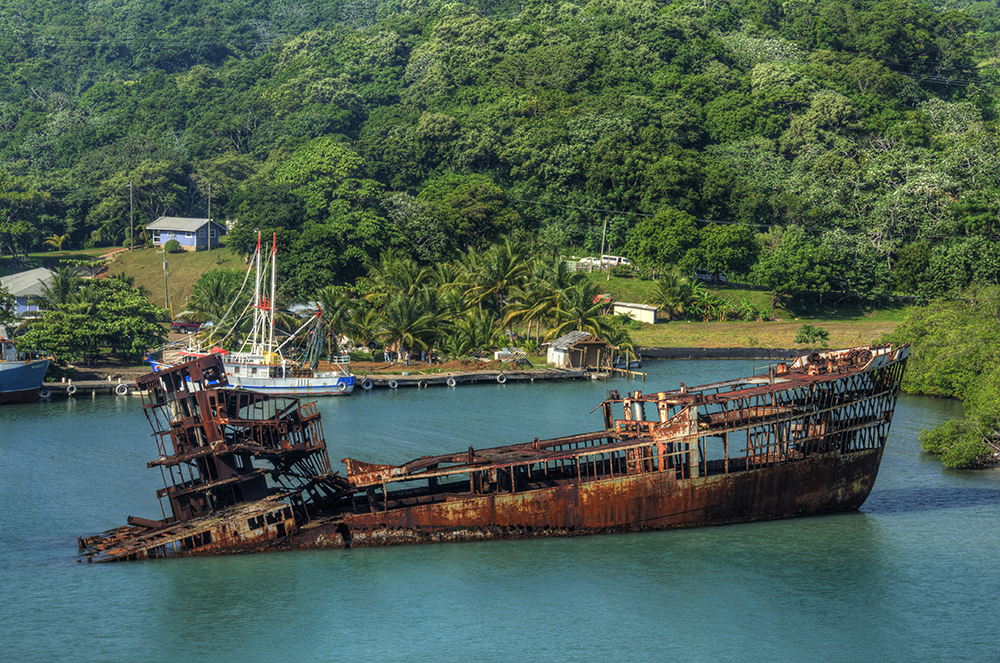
(914, 576)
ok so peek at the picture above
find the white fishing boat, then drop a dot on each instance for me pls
(260, 364)
(21, 377)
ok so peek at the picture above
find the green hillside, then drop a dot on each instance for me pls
(829, 151)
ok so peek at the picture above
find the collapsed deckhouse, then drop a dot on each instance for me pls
(245, 472)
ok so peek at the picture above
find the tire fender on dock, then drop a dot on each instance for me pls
(366, 384)
(121, 389)
(44, 392)
(451, 382)
(422, 384)
(71, 389)
(501, 378)
(393, 384)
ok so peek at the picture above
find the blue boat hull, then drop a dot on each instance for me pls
(20, 381)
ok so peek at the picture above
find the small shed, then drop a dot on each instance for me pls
(25, 286)
(191, 234)
(640, 312)
(579, 350)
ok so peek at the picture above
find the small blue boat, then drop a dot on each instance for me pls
(21, 376)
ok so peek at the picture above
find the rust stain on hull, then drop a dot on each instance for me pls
(246, 473)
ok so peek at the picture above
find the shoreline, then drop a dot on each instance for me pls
(115, 372)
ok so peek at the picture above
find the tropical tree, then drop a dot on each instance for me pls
(336, 307)
(62, 290)
(672, 294)
(490, 276)
(216, 294)
(579, 309)
(8, 306)
(534, 297)
(18, 199)
(56, 241)
(405, 322)
(129, 323)
(471, 332)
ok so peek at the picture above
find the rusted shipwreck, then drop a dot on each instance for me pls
(247, 472)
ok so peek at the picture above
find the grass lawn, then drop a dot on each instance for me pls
(775, 334)
(145, 266)
(637, 291)
(183, 269)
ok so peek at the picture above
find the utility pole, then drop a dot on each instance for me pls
(209, 216)
(131, 231)
(166, 294)
(600, 259)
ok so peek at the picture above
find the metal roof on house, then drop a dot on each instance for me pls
(640, 307)
(26, 284)
(574, 337)
(179, 223)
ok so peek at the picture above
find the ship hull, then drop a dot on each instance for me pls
(298, 387)
(20, 381)
(826, 483)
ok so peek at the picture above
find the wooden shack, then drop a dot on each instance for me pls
(580, 350)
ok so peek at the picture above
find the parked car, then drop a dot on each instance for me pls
(706, 276)
(614, 261)
(185, 327)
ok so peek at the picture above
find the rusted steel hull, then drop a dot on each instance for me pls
(806, 439)
(824, 484)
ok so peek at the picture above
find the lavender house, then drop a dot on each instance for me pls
(192, 234)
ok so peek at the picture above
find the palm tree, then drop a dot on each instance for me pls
(395, 273)
(218, 294)
(491, 276)
(672, 294)
(61, 291)
(473, 331)
(56, 241)
(405, 322)
(579, 309)
(337, 307)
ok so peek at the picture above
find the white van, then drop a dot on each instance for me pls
(613, 261)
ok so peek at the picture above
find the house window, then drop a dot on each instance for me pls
(201, 233)
(212, 233)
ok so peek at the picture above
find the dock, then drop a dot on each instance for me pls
(87, 389)
(458, 378)
(93, 388)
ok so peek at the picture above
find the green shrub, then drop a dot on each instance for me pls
(622, 271)
(172, 246)
(812, 336)
(958, 443)
(358, 355)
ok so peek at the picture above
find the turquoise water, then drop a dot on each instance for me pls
(914, 576)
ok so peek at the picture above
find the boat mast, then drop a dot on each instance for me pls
(274, 284)
(258, 317)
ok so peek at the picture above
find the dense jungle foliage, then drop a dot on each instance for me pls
(956, 354)
(830, 150)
